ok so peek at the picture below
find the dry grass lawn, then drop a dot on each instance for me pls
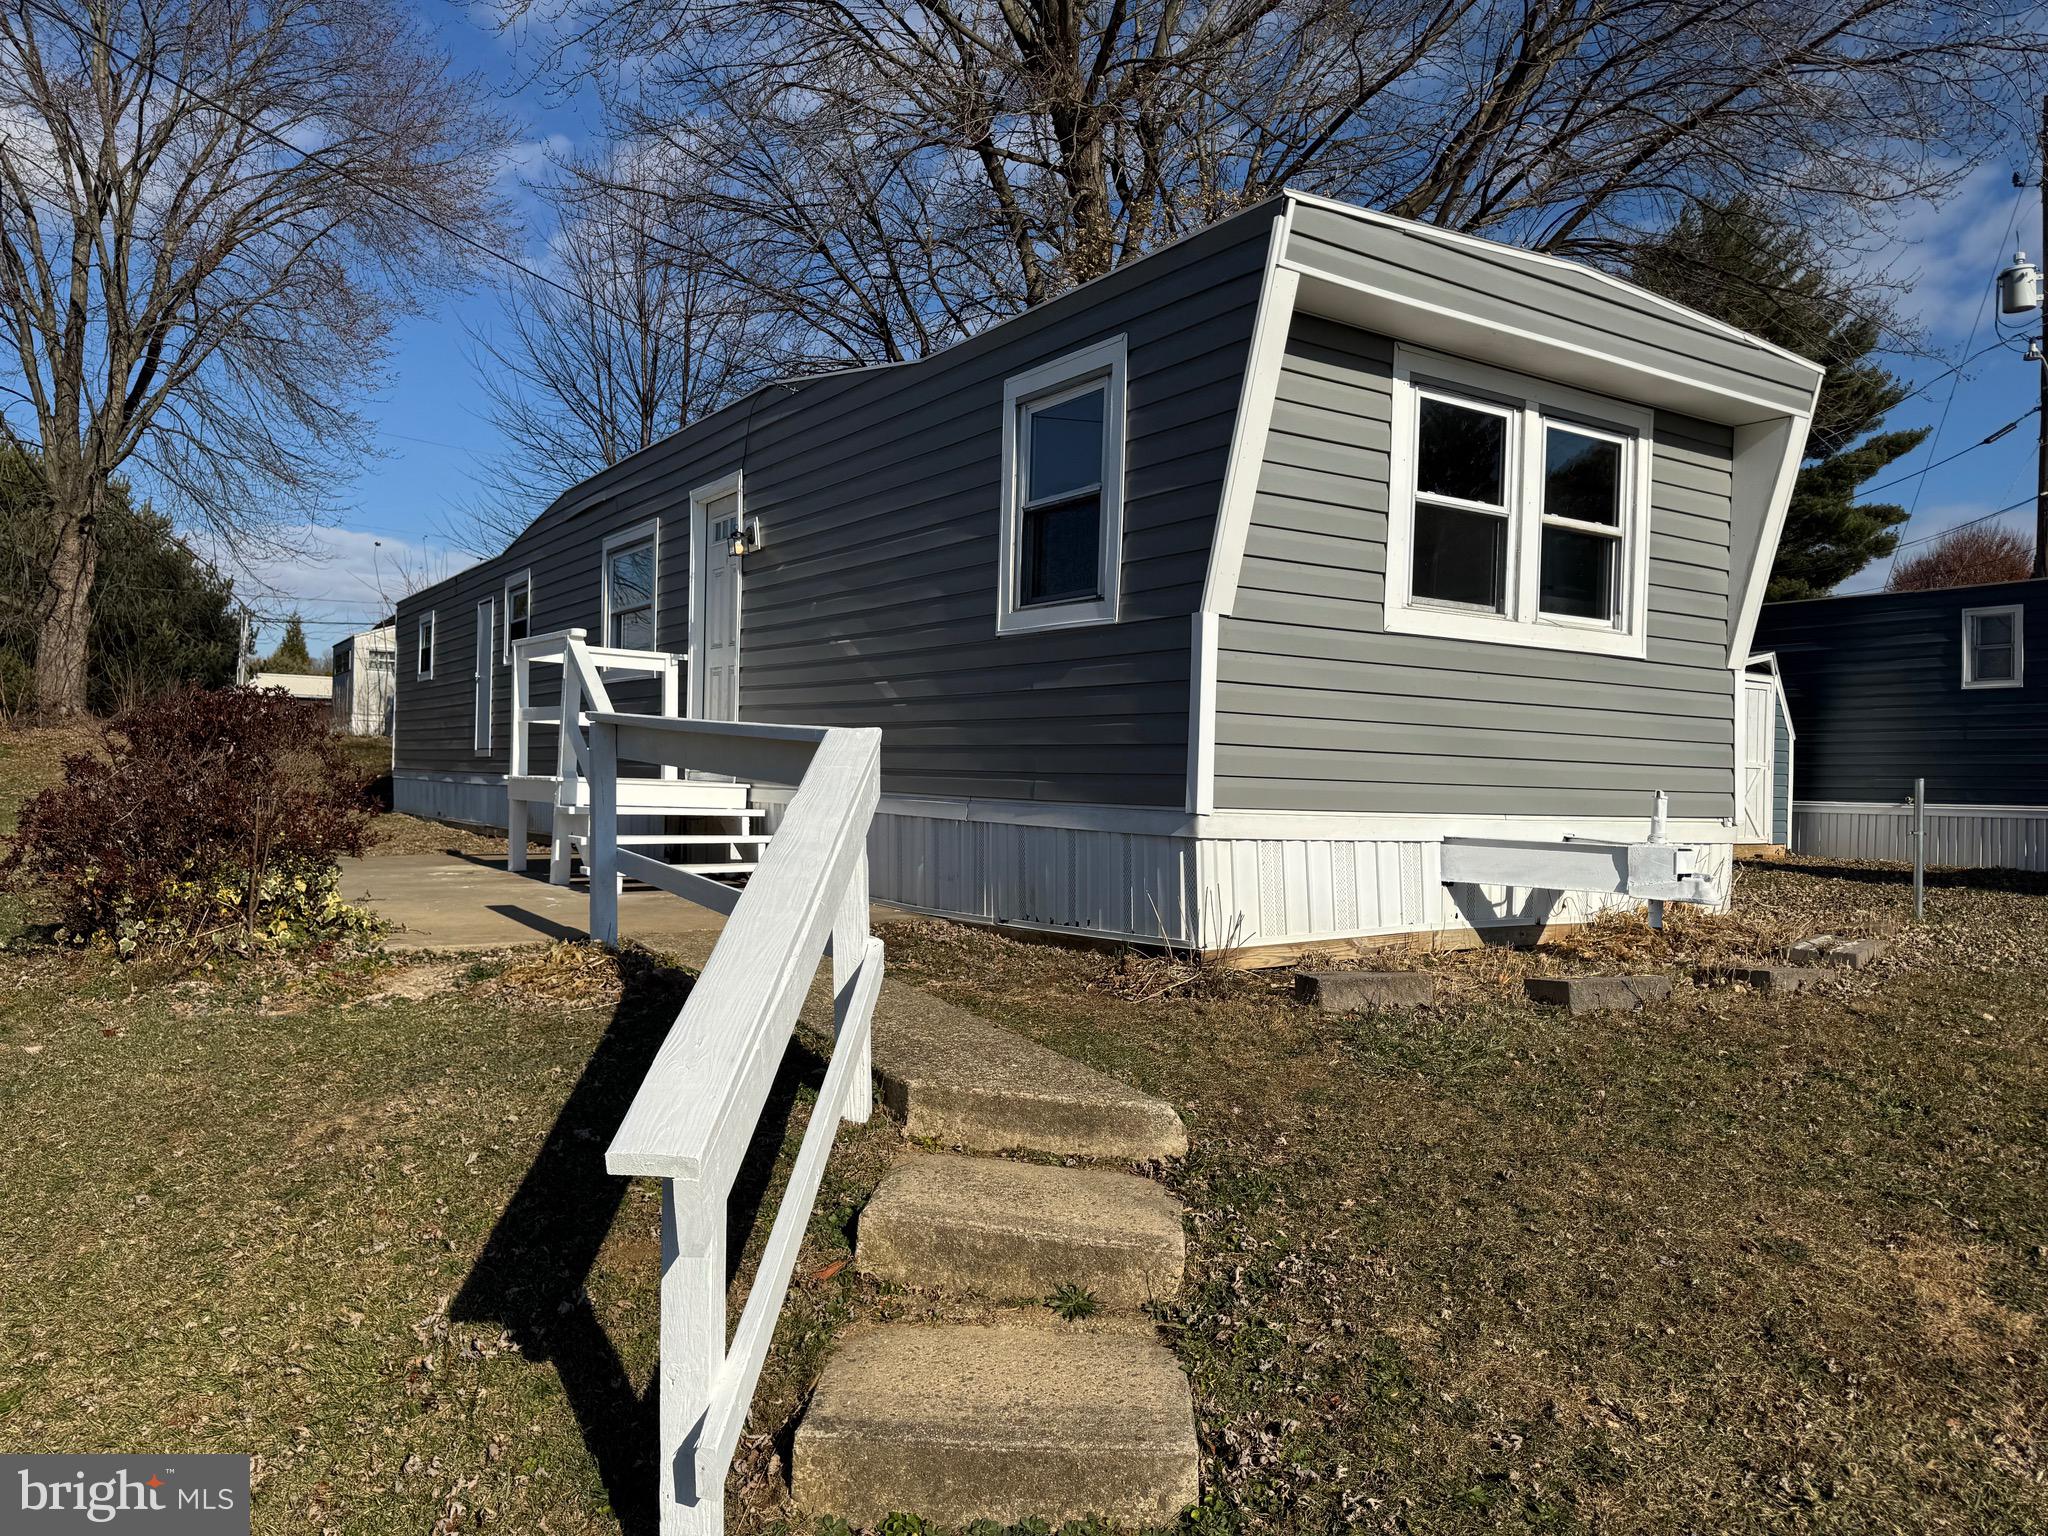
(1736, 1264)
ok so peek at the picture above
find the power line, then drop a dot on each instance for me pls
(1985, 442)
(1956, 377)
(1969, 523)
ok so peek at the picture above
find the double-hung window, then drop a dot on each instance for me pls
(425, 639)
(518, 610)
(1994, 647)
(1519, 511)
(1062, 494)
(629, 589)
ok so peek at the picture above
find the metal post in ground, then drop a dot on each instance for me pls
(1919, 849)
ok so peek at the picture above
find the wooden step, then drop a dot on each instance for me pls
(1019, 1231)
(999, 1422)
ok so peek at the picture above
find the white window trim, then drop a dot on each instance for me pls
(425, 627)
(650, 531)
(2017, 612)
(1108, 360)
(1539, 401)
(732, 484)
(523, 579)
(483, 692)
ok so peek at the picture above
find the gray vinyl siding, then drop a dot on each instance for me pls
(1321, 708)
(1876, 688)
(1569, 303)
(872, 601)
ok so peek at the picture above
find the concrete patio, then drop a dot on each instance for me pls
(456, 901)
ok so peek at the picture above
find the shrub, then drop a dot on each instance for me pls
(210, 817)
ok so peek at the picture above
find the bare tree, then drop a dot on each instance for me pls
(618, 342)
(895, 172)
(1966, 557)
(211, 211)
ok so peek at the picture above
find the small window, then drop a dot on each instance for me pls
(1062, 513)
(426, 644)
(1462, 513)
(1519, 510)
(1994, 646)
(629, 590)
(518, 610)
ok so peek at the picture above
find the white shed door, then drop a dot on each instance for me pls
(1759, 757)
(718, 631)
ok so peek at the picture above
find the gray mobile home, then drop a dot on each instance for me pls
(1947, 686)
(1205, 601)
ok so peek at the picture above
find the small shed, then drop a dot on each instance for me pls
(1765, 813)
(366, 681)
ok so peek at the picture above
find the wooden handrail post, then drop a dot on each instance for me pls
(601, 836)
(692, 1348)
(849, 946)
(671, 703)
(565, 773)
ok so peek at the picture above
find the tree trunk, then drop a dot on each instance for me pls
(67, 604)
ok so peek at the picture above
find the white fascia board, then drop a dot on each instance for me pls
(1201, 796)
(1766, 462)
(1260, 387)
(1769, 661)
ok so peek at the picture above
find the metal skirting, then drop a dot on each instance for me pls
(1211, 893)
(470, 800)
(1961, 836)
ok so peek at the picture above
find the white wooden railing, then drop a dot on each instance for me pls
(695, 1112)
(584, 669)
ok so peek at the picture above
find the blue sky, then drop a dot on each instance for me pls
(433, 438)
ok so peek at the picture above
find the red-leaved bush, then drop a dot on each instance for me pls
(210, 814)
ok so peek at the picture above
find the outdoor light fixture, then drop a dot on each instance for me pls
(746, 537)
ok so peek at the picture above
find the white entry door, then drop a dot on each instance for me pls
(716, 666)
(486, 652)
(1759, 757)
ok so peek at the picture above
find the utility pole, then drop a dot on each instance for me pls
(2041, 453)
(242, 650)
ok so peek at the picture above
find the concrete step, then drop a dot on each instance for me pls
(963, 1082)
(1015, 1231)
(998, 1423)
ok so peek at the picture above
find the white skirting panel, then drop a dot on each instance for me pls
(1205, 892)
(1961, 836)
(1120, 884)
(1022, 868)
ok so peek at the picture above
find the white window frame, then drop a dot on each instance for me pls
(425, 636)
(649, 533)
(483, 692)
(1057, 380)
(524, 580)
(1528, 404)
(2017, 612)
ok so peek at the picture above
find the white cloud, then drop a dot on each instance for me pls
(1951, 253)
(339, 580)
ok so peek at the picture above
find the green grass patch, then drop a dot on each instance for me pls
(1738, 1263)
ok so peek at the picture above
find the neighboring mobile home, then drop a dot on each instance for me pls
(1204, 601)
(366, 681)
(1949, 687)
